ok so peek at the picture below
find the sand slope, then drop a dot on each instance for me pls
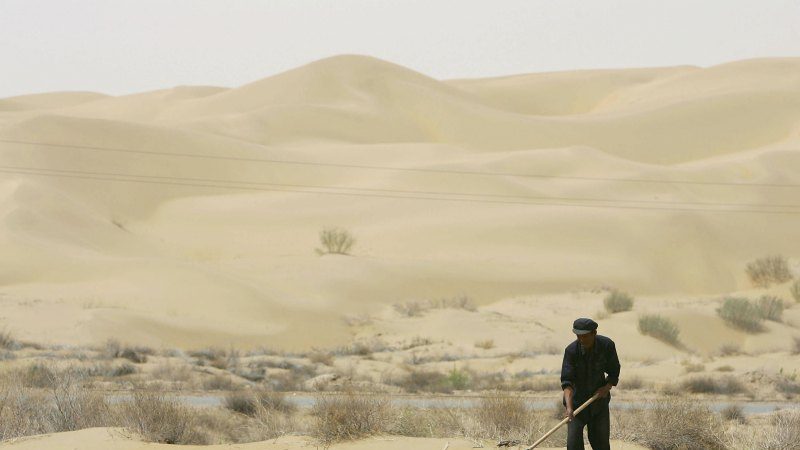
(165, 250)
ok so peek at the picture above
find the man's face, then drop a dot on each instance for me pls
(587, 340)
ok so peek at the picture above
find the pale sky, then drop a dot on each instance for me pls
(120, 46)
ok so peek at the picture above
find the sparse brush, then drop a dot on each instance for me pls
(336, 241)
(734, 412)
(7, 340)
(670, 424)
(770, 308)
(487, 344)
(727, 384)
(503, 416)
(158, 418)
(768, 270)
(348, 416)
(618, 301)
(795, 290)
(319, 357)
(660, 328)
(741, 313)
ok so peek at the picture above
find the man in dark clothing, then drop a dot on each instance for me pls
(587, 360)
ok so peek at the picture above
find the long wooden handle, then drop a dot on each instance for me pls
(566, 419)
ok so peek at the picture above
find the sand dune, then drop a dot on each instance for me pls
(169, 257)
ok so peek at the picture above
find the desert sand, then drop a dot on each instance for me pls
(161, 264)
(118, 439)
(189, 217)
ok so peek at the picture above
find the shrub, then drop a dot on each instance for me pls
(771, 269)
(618, 301)
(796, 345)
(324, 358)
(770, 308)
(502, 416)
(729, 350)
(727, 384)
(659, 327)
(741, 313)
(633, 382)
(426, 381)
(488, 344)
(241, 402)
(349, 416)
(7, 340)
(157, 418)
(458, 379)
(733, 412)
(335, 240)
(671, 424)
(795, 290)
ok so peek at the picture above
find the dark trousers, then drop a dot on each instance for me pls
(598, 420)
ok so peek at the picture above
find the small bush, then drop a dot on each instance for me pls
(426, 381)
(349, 416)
(741, 313)
(488, 344)
(671, 424)
(618, 301)
(796, 345)
(795, 290)
(458, 379)
(734, 412)
(660, 328)
(693, 368)
(324, 358)
(770, 308)
(157, 418)
(335, 240)
(725, 368)
(727, 384)
(7, 340)
(768, 270)
(241, 402)
(729, 350)
(633, 383)
(503, 416)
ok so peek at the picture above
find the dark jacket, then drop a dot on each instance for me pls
(586, 370)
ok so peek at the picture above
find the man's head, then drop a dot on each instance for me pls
(585, 330)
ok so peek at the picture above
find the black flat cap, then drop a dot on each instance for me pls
(583, 326)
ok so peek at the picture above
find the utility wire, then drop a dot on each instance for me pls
(398, 191)
(176, 181)
(401, 169)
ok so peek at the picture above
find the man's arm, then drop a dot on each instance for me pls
(612, 370)
(568, 381)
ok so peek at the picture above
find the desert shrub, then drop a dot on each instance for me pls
(158, 418)
(741, 313)
(335, 240)
(458, 379)
(409, 309)
(659, 327)
(348, 416)
(321, 358)
(796, 345)
(426, 381)
(768, 270)
(770, 308)
(74, 407)
(729, 350)
(707, 384)
(725, 368)
(693, 368)
(733, 412)
(38, 376)
(218, 382)
(7, 340)
(487, 344)
(502, 416)
(795, 290)
(618, 301)
(787, 385)
(241, 402)
(670, 424)
(633, 382)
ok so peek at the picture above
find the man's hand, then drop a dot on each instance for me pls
(570, 413)
(603, 391)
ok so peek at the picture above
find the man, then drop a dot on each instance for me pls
(586, 361)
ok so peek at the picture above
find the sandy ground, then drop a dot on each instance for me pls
(116, 439)
(167, 265)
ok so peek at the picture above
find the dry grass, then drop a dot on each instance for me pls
(158, 418)
(503, 417)
(781, 431)
(487, 344)
(706, 384)
(348, 416)
(768, 270)
(670, 424)
(733, 412)
(618, 301)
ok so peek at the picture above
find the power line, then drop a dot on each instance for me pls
(401, 169)
(176, 181)
(218, 181)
